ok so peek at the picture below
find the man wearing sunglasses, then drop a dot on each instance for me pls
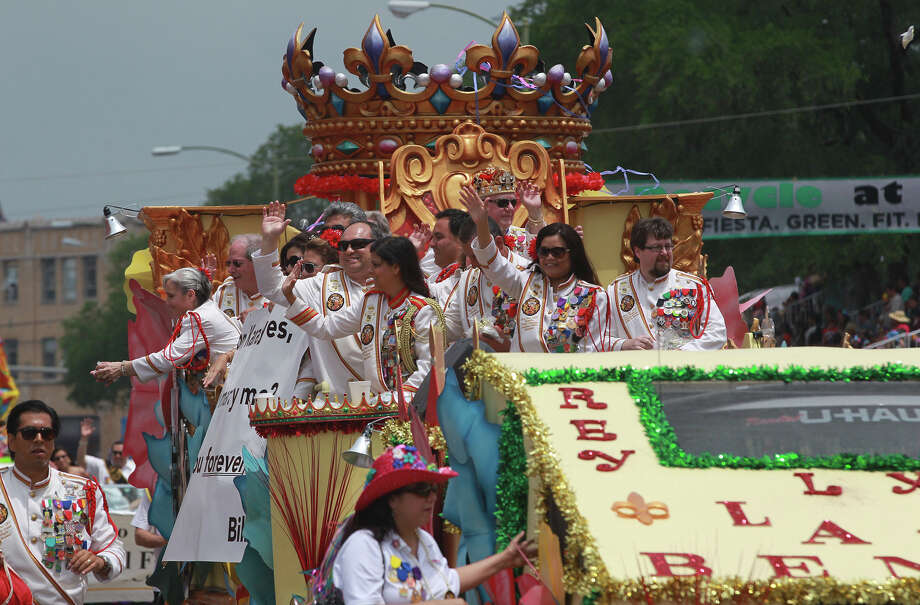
(502, 193)
(239, 292)
(657, 306)
(55, 527)
(334, 363)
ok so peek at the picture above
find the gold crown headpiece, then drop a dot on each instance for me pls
(389, 100)
(493, 181)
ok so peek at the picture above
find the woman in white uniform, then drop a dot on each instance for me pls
(561, 308)
(202, 332)
(393, 321)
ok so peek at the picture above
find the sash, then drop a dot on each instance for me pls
(531, 310)
(334, 296)
(629, 308)
(16, 548)
(226, 298)
(369, 337)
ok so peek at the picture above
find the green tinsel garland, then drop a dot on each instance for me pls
(641, 385)
(511, 491)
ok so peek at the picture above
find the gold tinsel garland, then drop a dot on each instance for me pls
(584, 571)
(394, 431)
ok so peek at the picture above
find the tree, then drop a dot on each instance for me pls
(286, 150)
(100, 332)
(677, 60)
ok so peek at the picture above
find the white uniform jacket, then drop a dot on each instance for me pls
(636, 311)
(41, 524)
(233, 301)
(334, 361)
(371, 320)
(205, 328)
(571, 318)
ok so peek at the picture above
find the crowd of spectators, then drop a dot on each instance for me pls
(807, 319)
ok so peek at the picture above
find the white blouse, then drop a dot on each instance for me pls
(368, 572)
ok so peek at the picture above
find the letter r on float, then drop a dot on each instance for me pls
(665, 568)
(586, 395)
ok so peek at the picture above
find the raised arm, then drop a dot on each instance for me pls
(531, 198)
(497, 268)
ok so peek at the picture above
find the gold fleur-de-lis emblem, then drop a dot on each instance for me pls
(636, 507)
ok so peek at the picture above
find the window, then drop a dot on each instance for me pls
(49, 281)
(69, 279)
(49, 355)
(89, 277)
(10, 281)
(11, 347)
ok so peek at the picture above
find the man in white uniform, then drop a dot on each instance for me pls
(657, 306)
(501, 192)
(239, 291)
(337, 362)
(54, 526)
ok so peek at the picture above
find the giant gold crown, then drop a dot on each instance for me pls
(391, 100)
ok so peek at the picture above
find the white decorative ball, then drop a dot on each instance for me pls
(316, 82)
(422, 80)
(341, 80)
(601, 86)
(539, 80)
(456, 80)
(566, 79)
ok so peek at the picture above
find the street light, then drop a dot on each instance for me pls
(163, 150)
(404, 8)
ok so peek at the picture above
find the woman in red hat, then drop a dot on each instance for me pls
(387, 557)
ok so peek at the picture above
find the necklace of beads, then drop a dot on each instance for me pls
(504, 311)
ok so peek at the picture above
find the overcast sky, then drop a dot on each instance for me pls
(89, 86)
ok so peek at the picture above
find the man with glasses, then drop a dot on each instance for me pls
(239, 291)
(502, 192)
(334, 363)
(55, 527)
(657, 306)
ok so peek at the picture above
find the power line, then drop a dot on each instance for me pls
(756, 114)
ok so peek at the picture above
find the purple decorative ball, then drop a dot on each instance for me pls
(387, 145)
(571, 148)
(317, 150)
(440, 73)
(608, 78)
(554, 75)
(326, 75)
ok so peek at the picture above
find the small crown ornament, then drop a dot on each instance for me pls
(493, 181)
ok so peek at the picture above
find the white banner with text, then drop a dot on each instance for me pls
(211, 519)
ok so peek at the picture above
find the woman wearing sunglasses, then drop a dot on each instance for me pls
(315, 251)
(386, 557)
(202, 331)
(561, 309)
(392, 322)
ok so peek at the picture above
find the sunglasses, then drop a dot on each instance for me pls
(30, 432)
(504, 202)
(421, 489)
(356, 244)
(306, 266)
(235, 263)
(555, 252)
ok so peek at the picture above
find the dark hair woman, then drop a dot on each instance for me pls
(561, 308)
(386, 556)
(393, 322)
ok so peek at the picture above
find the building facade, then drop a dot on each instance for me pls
(48, 270)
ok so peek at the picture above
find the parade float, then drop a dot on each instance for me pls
(604, 458)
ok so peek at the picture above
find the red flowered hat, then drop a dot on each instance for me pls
(397, 467)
